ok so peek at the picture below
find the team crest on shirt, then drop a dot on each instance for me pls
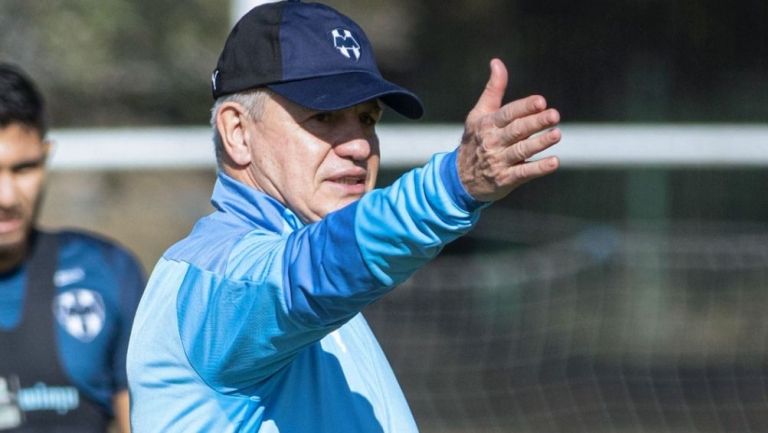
(80, 312)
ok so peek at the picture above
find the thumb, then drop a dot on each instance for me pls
(493, 94)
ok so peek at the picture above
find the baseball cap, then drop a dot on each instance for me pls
(310, 54)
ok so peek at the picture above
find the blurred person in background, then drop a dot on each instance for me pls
(252, 323)
(67, 298)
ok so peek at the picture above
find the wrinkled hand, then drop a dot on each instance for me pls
(498, 140)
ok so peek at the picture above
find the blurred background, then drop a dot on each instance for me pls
(621, 294)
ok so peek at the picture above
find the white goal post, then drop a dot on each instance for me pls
(583, 145)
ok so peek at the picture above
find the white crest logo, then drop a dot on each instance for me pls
(80, 312)
(346, 43)
(214, 78)
(65, 277)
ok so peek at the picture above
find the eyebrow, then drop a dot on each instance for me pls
(31, 162)
(377, 107)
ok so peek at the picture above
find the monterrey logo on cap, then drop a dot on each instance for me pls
(214, 78)
(346, 43)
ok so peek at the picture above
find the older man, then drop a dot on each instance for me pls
(252, 323)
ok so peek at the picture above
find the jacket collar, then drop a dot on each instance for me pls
(246, 205)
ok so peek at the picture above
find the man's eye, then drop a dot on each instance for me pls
(368, 119)
(26, 168)
(322, 117)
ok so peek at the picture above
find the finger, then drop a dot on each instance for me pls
(522, 173)
(524, 150)
(519, 108)
(490, 99)
(523, 127)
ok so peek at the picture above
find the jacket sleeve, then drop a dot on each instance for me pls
(282, 293)
(131, 280)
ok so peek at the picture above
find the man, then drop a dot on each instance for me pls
(67, 298)
(251, 323)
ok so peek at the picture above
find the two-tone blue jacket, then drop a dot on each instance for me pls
(252, 323)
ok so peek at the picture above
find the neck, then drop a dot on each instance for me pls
(11, 258)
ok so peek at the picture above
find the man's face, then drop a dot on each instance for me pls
(22, 172)
(314, 162)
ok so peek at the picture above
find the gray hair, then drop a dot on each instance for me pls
(253, 103)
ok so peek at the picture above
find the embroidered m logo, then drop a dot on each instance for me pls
(346, 43)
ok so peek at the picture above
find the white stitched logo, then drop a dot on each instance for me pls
(214, 78)
(65, 277)
(62, 399)
(10, 412)
(346, 43)
(80, 312)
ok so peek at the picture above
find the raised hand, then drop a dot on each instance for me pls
(498, 140)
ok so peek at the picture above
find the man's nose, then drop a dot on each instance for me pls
(8, 190)
(355, 140)
(357, 148)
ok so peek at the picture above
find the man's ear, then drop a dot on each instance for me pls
(231, 121)
(47, 145)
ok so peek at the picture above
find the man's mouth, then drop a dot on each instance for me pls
(9, 225)
(351, 183)
(350, 180)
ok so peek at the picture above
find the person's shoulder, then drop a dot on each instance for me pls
(81, 241)
(86, 238)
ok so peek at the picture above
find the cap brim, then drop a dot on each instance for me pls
(336, 92)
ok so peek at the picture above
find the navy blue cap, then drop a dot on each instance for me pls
(310, 54)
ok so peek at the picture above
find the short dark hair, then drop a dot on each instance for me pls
(20, 101)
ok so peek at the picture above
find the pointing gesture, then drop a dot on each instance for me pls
(498, 140)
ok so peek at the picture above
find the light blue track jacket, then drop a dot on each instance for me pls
(252, 323)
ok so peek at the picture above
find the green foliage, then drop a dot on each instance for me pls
(112, 62)
(138, 62)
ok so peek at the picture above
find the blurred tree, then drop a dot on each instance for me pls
(112, 62)
(603, 60)
(119, 62)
